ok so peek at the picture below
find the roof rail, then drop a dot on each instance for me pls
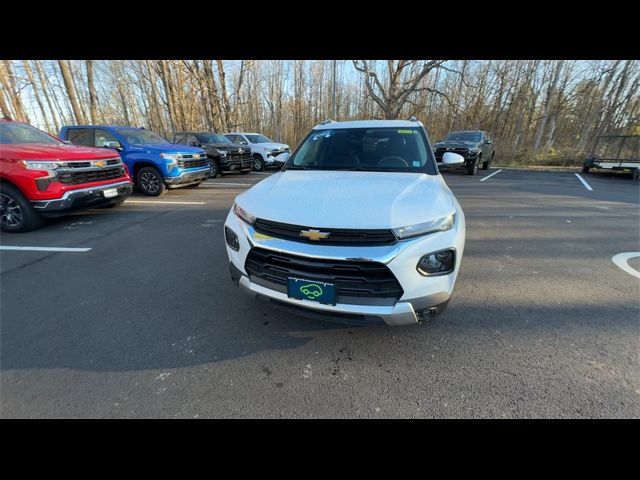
(328, 120)
(412, 118)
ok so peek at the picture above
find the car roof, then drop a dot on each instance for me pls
(368, 124)
(103, 126)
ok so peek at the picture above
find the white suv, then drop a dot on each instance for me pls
(358, 227)
(264, 150)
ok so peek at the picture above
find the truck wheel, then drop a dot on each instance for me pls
(636, 174)
(214, 169)
(151, 182)
(585, 169)
(258, 163)
(473, 168)
(16, 213)
(487, 164)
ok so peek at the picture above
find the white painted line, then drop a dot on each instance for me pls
(586, 185)
(263, 173)
(621, 260)
(44, 249)
(164, 202)
(489, 176)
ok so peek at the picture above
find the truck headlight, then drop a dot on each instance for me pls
(40, 165)
(437, 225)
(437, 263)
(173, 157)
(243, 214)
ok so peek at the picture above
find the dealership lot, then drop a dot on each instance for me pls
(142, 320)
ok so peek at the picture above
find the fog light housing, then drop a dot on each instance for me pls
(43, 183)
(231, 238)
(437, 263)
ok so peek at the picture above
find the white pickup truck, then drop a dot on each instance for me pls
(263, 149)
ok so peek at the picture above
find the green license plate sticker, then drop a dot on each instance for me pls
(305, 289)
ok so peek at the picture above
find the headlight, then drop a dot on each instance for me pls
(38, 165)
(173, 157)
(438, 225)
(437, 263)
(243, 214)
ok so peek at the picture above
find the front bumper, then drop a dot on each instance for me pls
(188, 177)
(423, 296)
(235, 165)
(84, 198)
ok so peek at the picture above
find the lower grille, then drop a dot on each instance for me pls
(88, 176)
(351, 278)
(337, 236)
(195, 163)
(239, 157)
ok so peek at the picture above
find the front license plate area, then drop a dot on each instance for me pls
(110, 193)
(313, 290)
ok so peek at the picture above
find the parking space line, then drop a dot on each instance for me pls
(489, 176)
(586, 185)
(622, 259)
(226, 183)
(165, 202)
(44, 249)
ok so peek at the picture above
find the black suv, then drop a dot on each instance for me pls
(474, 145)
(222, 153)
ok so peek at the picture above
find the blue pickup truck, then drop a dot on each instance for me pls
(154, 164)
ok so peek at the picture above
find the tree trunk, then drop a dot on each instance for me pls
(71, 93)
(92, 93)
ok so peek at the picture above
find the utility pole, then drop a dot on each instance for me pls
(334, 114)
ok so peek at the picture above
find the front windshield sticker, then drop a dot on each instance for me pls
(416, 164)
(406, 131)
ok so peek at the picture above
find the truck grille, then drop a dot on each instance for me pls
(337, 236)
(240, 157)
(193, 162)
(87, 176)
(351, 278)
(87, 164)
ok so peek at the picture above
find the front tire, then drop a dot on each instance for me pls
(258, 163)
(214, 168)
(473, 168)
(16, 213)
(487, 164)
(585, 169)
(636, 174)
(150, 182)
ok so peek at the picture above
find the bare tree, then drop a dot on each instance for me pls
(71, 92)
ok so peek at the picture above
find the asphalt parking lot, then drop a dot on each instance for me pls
(146, 323)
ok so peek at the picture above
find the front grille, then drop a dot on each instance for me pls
(337, 236)
(87, 163)
(87, 176)
(239, 157)
(351, 278)
(193, 163)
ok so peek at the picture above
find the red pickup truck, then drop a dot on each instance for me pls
(40, 176)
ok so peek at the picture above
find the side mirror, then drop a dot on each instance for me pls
(283, 157)
(450, 158)
(195, 144)
(114, 145)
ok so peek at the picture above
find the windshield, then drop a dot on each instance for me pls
(11, 133)
(463, 137)
(135, 136)
(212, 138)
(372, 149)
(258, 139)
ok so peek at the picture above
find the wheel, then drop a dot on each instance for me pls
(115, 204)
(487, 164)
(636, 174)
(258, 163)
(151, 182)
(214, 168)
(16, 213)
(244, 172)
(473, 168)
(585, 169)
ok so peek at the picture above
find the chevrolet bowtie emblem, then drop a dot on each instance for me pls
(100, 163)
(314, 234)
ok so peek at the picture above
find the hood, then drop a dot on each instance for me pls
(33, 151)
(272, 145)
(158, 148)
(331, 199)
(225, 147)
(456, 144)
